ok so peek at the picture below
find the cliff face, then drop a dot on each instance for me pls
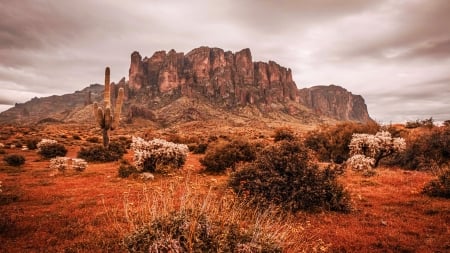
(211, 82)
(224, 77)
(335, 102)
(233, 80)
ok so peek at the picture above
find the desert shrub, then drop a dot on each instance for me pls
(158, 155)
(446, 123)
(14, 160)
(125, 141)
(374, 147)
(79, 164)
(283, 175)
(198, 148)
(360, 162)
(330, 143)
(189, 231)
(62, 164)
(420, 123)
(32, 144)
(50, 148)
(59, 163)
(17, 143)
(439, 187)
(93, 139)
(427, 149)
(2, 151)
(126, 169)
(284, 133)
(76, 137)
(225, 155)
(98, 153)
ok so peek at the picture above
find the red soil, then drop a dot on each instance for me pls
(84, 212)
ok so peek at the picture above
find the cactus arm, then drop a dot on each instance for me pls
(118, 109)
(100, 118)
(96, 111)
(108, 118)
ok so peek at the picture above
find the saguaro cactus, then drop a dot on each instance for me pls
(105, 117)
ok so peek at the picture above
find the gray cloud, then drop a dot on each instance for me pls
(406, 29)
(394, 53)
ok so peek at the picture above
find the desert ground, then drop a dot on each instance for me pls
(92, 211)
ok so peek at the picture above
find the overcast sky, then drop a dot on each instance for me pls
(395, 53)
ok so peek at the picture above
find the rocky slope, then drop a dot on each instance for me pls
(204, 84)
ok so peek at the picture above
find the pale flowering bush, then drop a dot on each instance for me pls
(59, 163)
(360, 162)
(63, 163)
(79, 164)
(45, 142)
(366, 150)
(157, 154)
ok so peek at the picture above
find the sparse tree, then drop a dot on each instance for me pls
(376, 146)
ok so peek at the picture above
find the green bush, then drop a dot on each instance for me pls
(225, 155)
(330, 143)
(14, 160)
(439, 187)
(283, 175)
(126, 169)
(52, 150)
(98, 153)
(284, 133)
(188, 231)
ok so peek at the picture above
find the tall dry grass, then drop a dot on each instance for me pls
(203, 197)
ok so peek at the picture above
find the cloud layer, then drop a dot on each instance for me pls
(396, 53)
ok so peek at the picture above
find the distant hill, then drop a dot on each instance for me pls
(203, 85)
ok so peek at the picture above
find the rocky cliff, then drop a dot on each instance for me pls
(335, 102)
(204, 84)
(227, 78)
(234, 80)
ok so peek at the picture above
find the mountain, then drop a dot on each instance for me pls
(203, 85)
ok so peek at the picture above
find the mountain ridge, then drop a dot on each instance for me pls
(198, 85)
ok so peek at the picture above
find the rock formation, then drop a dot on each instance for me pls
(170, 86)
(233, 80)
(224, 77)
(335, 102)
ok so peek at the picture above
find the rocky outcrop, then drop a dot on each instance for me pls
(335, 102)
(57, 108)
(204, 84)
(231, 79)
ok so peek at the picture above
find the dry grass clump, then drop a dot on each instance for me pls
(186, 216)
